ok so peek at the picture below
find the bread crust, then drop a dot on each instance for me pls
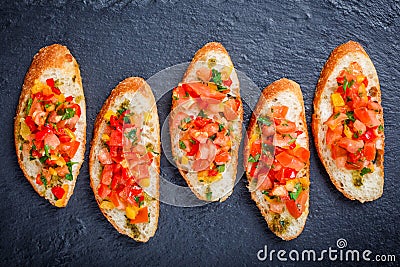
(349, 49)
(270, 93)
(131, 84)
(200, 55)
(53, 56)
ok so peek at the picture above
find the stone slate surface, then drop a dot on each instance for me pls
(267, 40)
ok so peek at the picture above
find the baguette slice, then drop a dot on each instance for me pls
(52, 62)
(340, 58)
(287, 93)
(211, 56)
(135, 95)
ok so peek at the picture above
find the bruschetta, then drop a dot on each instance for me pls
(206, 124)
(50, 124)
(276, 158)
(348, 125)
(125, 160)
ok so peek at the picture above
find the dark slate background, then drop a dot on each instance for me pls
(112, 40)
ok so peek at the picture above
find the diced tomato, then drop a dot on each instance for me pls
(369, 135)
(197, 89)
(338, 152)
(229, 113)
(370, 151)
(340, 80)
(212, 172)
(106, 175)
(31, 124)
(116, 138)
(38, 180)
(285, 173)
(193, 150)
(359, 127)
(69, 98)
(276, 207)
(264, 182)
(227, 82)
(64, 138)
(201, 122)
(374, 106)
(42, 134)
(114, 121)
(297, 207)
(333, 135)
(58, 192)
(222, 139)
(142, 216)
(103, 191)
(368, 117)
(255, 148)
(285, 126)
(222, 158)
(77, 109)
(350, 145)
(198, 135)
(290, 161)
(116, 153)
(56, 90)
(70, 148)
(253, 169)
(279, 111)
(118, 203)
(301, 153)
(335, 120)
(50, 82)
(211, 128)
(51, 140)
(104, 156)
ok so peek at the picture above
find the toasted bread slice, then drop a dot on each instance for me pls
(57, 63)
(370, 187)
(135, 95)
(280, 93)
(205, 187)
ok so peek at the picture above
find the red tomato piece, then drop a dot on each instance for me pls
(255, 148)
(58, 192)
(106, 175)
(116, 138)
(197, 89)
(370, 151)
(103, 191)
(350, 145)
(279, 111)
(222, 158)
(104, 156)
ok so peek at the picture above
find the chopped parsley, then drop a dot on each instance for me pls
(336, 115)
(216, 76)
(46, 150)
(220, 127)
(264, 121)
(365, 170)
(28, 107)
(212, 137)
(69, 113)
(187, 120)
(43, 159)
(43, 179)
(294, 195)
(182, 144)
(131, 135)
(202, 114)
(192, 141)
(221, 168)
(380, 128)
(254, 159)
(174, 97)
(350, 115)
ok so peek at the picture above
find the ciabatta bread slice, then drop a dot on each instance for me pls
(135, 95)
(56, 63)
(281, 93)
(212, 60)
(344, 180)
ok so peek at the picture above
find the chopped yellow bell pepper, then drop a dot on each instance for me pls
(52, 171)
(337, 100)
(60, 98)
(360, 78)
(24, 131)
(147, 117)
(213, 86)
(305, 182)
(184, 160)
(107, 205)
(108, 115)
(145, 182)
(131, 212)
(70, 133)
(347, 131)
(105, 137)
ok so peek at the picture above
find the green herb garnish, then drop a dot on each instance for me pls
(43, 179)
(202, 114)
(216, 76)
(28, 107)
(264, 121)
(69, 113)
(46, 150)
(380, 128)
(295, 195)
(182, 144)
(220, 127)
(365, 170)
(131, 135)
(221, 168)
(350, 115)
(336, 115)
(254, 159)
